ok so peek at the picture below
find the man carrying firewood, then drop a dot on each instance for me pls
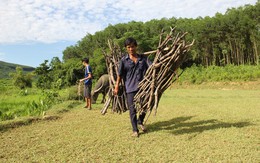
(132, 69)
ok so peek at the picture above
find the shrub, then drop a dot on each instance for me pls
(48, 99)
(20, 79)
(199, 74)
(73, 93)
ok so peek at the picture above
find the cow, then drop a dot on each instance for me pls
(102, 86)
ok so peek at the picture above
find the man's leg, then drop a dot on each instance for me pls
(85, 96)
(141, 118)
(132, 111)
(141, 121)
(89, 96)
(89, 103)
(86, 99)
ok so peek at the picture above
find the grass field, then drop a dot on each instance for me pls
(206, 123)
(16, 103)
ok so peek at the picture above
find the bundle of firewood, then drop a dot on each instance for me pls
(119, 103)
(169, 56)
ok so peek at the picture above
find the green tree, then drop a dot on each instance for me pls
(20, 79)
(57, 73)
(73, 70)
(71, 52)
(44, 77)
(230, 38)
(97, 63)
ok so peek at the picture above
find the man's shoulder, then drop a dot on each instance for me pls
(88, 68)
(142, 56)
(124, 57)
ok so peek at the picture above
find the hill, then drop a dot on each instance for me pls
(6, 68)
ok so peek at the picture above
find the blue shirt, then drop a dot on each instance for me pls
(132, 73)
(88, 71)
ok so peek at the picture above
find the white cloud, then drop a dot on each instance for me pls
(56, 20)
(45, 21)
(151, 9)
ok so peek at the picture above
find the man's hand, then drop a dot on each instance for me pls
(81, 80)
(116, 90)
(117, 85)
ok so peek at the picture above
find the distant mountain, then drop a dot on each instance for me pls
(6, 68)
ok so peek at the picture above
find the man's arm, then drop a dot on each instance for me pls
(118, 79)
(88, 77)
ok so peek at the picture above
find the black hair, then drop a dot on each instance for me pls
(130, 40)
(85, 60)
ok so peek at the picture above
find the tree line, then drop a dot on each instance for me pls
(230, 38)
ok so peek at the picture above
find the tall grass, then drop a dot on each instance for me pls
(200, 74)
(26, 105)
(29, 102)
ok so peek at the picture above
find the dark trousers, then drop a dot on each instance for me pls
(132, 111)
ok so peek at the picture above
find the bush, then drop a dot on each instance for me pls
(20, 79)
(48, 99)
(199, 74)
(73, 93)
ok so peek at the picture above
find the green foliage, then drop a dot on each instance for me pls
(97, 63)
(71, 52)
(57, 84)
(23, 92)
(20, 79)
(43, 75)
(226, 39)
(5, 85)
(230, 38)
(57, 75)
(73, 93)
(200, 74)
(26, 102)
(73, 71)
(47, 99)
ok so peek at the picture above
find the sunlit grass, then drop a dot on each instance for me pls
(191, 125)
(12, 106)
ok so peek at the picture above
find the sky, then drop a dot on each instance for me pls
(32, 31)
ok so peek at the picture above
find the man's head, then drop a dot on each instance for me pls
(85, 61)
(130, 41)
(131, 45)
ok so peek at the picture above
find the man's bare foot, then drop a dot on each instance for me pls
(143, 128)
(135, 134)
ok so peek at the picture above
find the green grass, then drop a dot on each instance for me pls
(200, 74)
(16, 103)
(193, 124)
(13, 102)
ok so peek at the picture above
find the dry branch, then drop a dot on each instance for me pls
(169, 56)
(119, 103)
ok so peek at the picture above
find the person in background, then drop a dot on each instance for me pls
(87, 83)
(132, 69)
